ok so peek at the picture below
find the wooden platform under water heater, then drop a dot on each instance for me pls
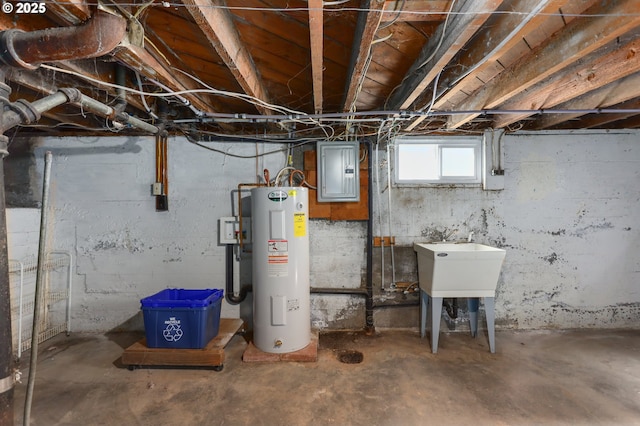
(212, 356)
(307, 354)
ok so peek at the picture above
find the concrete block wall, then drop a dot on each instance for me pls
(104, 213)
(569, 217)
(23, 232)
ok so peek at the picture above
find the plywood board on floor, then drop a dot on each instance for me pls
(212, 355)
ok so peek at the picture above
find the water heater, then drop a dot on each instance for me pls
(281, 316)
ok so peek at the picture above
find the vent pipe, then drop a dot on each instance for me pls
(97, 37)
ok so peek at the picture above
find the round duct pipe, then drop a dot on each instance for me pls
(99, 36)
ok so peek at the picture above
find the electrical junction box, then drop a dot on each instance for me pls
(229, 230)
(157, 188)
(338, 171)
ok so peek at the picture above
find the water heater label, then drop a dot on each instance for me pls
(293, 305)
(277, 195)
(278, 246)
(278, 258)
(299, 225)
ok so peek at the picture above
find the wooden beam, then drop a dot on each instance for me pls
(316, 35)
(468, 16)
(602, 23)
(139, 59)
(368, 21)
(612, 94)
(169, 56)
(590, 121)
(415, 10)
(632, 122)
(480, 55)
(217, 25)
(593, 72)
(70, 11)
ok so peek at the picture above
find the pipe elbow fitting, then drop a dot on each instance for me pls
(98, 36)
(8, 54)
(73, 95)
(26, 111)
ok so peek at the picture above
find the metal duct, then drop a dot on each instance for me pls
(99, 36)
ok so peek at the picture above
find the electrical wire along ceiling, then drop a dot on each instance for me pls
(277, 68)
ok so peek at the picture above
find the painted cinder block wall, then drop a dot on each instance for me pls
(569, 218)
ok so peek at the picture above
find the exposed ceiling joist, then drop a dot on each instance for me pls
(216, 23)
(481, 55)
(70, 11)
(368, 21)
(579, 38)
(629, 123)
(599, 120)
(467, 17)
(416, 10)
(459, 56)
(580, 78)
(316, 36)
(612, 94)
(101, 74)
(139, 59)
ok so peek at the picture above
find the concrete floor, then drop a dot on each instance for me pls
(542, 378)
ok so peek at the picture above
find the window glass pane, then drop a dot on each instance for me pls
(438, 160)
(458, 161)
(417, 161)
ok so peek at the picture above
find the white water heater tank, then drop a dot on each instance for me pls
(281, 313)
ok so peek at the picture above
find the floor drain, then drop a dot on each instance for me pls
(350, 357)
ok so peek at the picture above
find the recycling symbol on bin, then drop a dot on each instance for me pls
(173, 332)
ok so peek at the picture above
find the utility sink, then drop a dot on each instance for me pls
(458, 269)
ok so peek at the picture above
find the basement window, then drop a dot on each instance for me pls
(438, 160)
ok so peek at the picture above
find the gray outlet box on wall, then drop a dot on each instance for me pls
(338, 171)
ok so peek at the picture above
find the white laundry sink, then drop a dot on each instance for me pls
(458, 269)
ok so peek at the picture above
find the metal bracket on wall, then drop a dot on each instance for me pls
(387, 241)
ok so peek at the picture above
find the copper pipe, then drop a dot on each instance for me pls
(165, 165)
(293, 173)
(158, 160)
(161, 171)
(99, 36)
(266, 177)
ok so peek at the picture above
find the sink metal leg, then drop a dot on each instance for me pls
(436, 314)
(472, 306)
(489, 306)
(424, 303)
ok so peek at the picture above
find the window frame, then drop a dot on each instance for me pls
(441, 142)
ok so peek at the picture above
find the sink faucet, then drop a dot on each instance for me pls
(470, 237)
(446, 234)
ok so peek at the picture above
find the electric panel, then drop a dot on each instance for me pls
(338, 171)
